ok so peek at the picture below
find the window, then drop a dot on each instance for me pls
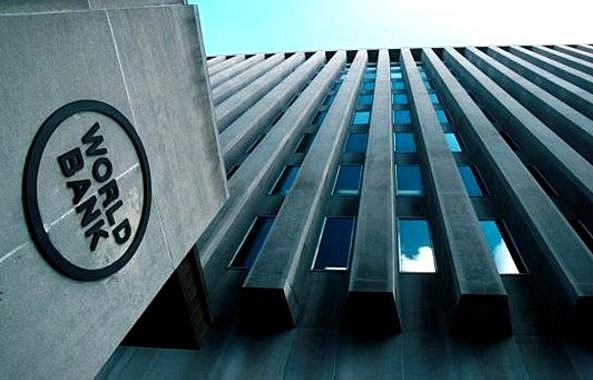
(400, 99)
(499, 249)
(434, 99)
(398, 85)
(473, 187)
(427, 84)
(348, 180)
(286, 179)
(368, 86)
(415, 246)
(333, 250)
(365, 100)
(423, 74)
(319, 117)
(253, 242)
(584, 233)
(549, 189)
(409, 181)
(305, 143)
(361, 117)
(442, 117)
(329, 100)
(396, 74)
(453, 143)
(402, 117)
(404, 142)
(356, 143)
(369, 74)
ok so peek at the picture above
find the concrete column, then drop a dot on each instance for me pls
(271, 292)
(221, 77)
(574, 96)
(479, 304)
(560, 257)
(569, 60)
(575, 128)
(568, 73)
(238, 136)
(542, 145)
(256, 176)
(214, 61)
(234, 106)
(227, 64)
(587, 48)
(577, 53)
(371, 305)
(230, 87)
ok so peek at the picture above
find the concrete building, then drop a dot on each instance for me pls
(406, 213)
(401, 213)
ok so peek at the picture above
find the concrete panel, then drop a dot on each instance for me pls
(216, 60)
(255, 177)
(57, 327)
(568, 73)
(564, 58)
(578, 53)
(30, 6)
(238, 136)
(572, 126)
(479, 306)
(239, 102)
(229, 73)
(371, 304)
(566, 271)
(585, 48)
(230, 87)
(227, 64)
(272, 281)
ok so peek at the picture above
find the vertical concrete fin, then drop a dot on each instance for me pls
(285, 257)
(478, 298)
(215, 61)
(239, 102)
(371, 305)
(227, 64)
(564, 58)
(561, 258)
(230, 87)
(577, 53)
(221, 77)
(241, 133)
(572, 126)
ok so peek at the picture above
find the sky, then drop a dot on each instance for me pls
(241, 26)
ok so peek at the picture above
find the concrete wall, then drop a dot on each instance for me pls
(53, 326)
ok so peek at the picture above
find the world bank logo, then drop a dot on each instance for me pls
(87, 190)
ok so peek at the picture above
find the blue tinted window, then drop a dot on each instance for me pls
(499, 250)
(427, 84)
(453, 143)
(329, 100)
(471, 182)
(368, 85)
(415, 246)
(319, 117)
(305, 143)
(433, 98)
(400, 99)
(334, 247)
(442, 116)
(409, 181)
(253, 242)
(356, 143)
(348, 180)
(286, 179)
(398, 85)
(404, 142)
(369, 74)
(396, 74)
(402, 117)
(365, 99)
(423, 75)
(361, 117)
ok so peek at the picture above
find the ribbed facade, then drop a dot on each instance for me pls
(409, 213)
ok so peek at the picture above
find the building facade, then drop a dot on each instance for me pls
(407, 213)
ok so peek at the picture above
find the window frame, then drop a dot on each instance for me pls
(350, 245)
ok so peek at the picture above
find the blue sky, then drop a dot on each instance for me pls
(240, 26)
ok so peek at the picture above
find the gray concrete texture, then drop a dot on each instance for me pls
(52, 326)
(31, 6)
(223, 76)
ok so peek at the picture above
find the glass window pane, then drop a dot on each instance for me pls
(348, 180)
(329, 100)
(498, 247)
(433, 98)
(402, 117)
(427, 84)
(369, 75)
(319, 117)
(400, 99)
(404, 142)
(398, 85)
(305, 143)
(334, 247)
(453, 143)
(368, 85)
(423, 75)
(356, 143)
(365, 99)
(471, 182)
(286, 179)
(253, 242)
(442, 117)
(362, 117)
(415, 246)
(409, 181)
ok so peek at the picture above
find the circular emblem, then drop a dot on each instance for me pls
(86, 190)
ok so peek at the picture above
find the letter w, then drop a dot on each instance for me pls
(95, 141)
